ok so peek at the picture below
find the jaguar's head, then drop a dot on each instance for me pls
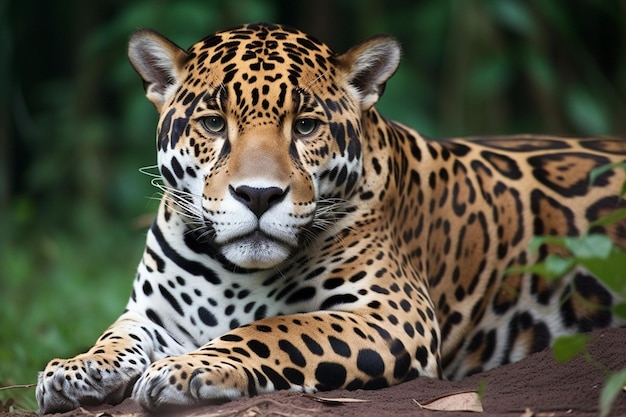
(260, 132)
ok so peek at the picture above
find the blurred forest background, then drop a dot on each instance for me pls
(75, 127)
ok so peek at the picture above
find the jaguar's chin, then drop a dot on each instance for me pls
(256, 251)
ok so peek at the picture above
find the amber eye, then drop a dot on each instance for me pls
(305, 127)
(213, 124)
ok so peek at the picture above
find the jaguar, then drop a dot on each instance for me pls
(305, 242)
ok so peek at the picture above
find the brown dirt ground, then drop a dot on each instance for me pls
(535, 386)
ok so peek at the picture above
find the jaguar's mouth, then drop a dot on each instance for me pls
(256, 250)
(255, 236)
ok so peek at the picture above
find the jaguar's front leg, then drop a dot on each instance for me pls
(303, 352)
(107, 372)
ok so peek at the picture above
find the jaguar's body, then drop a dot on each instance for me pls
(304, 242)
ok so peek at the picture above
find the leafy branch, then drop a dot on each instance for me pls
(597, 254)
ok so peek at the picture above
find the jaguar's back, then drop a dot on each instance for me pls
(505, 191)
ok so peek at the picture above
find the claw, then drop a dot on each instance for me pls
(57, 382)
(154, 392)
(94, 372)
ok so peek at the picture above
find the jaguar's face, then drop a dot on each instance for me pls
(252, 168)
(259, 134)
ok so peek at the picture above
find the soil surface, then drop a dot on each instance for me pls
(535, 386)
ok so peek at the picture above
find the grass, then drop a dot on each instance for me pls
(59, 290)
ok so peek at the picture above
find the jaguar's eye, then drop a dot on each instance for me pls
(305, 127)
(213, 124)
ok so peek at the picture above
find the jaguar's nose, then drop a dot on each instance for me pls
(258, 200)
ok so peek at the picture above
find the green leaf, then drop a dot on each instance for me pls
(613, 386)
(587, 112)
(538, 268)
(566, 347)
(609, 270)
(540, 70)
(515, 15)
(537, 241)
(611, 218)
(553, 267)
(596, 172)
(557, 266)
(482, 389)
(593, 246)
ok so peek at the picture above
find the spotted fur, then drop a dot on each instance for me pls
(304, 242)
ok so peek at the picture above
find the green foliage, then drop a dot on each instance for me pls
(594, 252)
(566, 347)
(59, 295)
(613, 386)
(598, 255)
(601, 257)
(595, 173)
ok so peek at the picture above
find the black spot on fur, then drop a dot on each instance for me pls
(370, 362)
(294, 353)
(330, 375)
(260, 348)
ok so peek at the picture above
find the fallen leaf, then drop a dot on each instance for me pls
(334, 401)
(462, 401)
(251, 412)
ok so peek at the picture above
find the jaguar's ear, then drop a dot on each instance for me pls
(159, 63)
(369, 65)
